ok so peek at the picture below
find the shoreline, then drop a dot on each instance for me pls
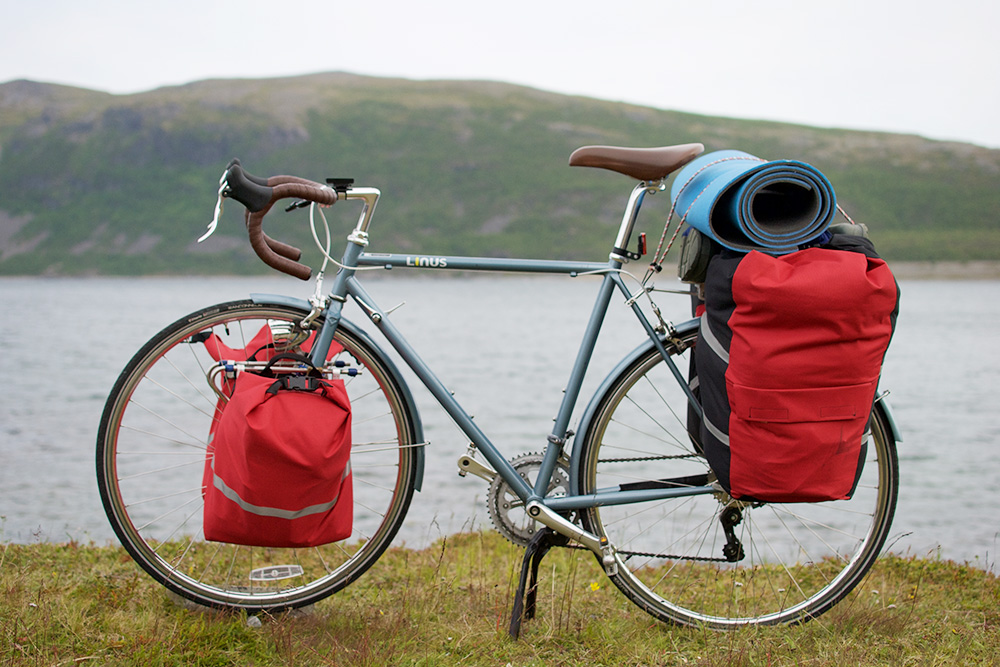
(903, 270)
(929, 270)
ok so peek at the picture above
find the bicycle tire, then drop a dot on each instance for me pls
(799, 559)
(151, 454)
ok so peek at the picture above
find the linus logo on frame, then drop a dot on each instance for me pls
(430, 262)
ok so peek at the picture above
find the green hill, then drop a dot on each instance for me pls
(98, 183)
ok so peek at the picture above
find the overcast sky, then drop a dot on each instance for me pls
(930, 67)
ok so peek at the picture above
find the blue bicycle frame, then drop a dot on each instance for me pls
(545, 510)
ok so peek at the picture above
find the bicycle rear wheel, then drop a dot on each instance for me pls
(798, 559)
(151, 451)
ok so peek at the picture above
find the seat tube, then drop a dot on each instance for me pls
(572, 392)
(557, 440)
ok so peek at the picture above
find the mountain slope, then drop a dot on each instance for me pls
(98, 183)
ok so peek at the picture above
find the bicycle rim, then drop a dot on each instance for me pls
(151, 453)
(799, 559)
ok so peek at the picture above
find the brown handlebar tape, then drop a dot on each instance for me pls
(281, 256)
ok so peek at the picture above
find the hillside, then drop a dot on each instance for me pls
(98, 183)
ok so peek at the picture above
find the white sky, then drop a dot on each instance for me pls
(930, 67)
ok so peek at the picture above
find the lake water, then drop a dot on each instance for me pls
(505, 346)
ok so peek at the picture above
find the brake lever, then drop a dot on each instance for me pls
(218, 207)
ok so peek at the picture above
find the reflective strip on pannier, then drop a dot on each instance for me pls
(276, 512)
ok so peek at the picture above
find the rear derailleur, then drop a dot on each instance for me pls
(730, 517)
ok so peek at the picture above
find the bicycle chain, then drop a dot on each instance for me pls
(629, 554)
(651, 458)
(703, 559)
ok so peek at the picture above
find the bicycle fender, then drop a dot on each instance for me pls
(605, 386)
(883, 405)
(409, 403)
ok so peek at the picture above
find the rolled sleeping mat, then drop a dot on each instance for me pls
(746, 203)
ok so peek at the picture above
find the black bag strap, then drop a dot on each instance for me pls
(253, 357)
(269, 372)
(310, 382)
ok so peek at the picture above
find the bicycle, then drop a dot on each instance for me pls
(630, 485)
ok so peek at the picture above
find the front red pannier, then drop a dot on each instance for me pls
(280, 473)
(277, 470)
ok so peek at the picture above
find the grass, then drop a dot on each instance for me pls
(449, 604)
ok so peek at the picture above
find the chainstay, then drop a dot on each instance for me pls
(647, 554)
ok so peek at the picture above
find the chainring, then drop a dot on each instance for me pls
(506, 510)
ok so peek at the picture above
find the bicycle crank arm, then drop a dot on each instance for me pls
(467, 464)
(599, 545)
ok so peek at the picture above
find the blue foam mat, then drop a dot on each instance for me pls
(746, 203)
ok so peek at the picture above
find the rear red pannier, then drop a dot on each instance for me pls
(788, 361)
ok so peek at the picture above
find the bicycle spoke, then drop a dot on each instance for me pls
(165, 421)
(210, 400)
(155, 471)
(158, 499)
(166, 514)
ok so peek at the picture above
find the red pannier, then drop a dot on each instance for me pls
(788, 362)
(277, 472)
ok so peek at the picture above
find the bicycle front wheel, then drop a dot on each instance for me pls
(792, 562)
(151, 453)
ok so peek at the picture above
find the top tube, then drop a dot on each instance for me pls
(444, 262)
(617, 257)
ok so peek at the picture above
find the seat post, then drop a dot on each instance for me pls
(635, 200)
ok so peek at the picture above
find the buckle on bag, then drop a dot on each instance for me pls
(297, 383)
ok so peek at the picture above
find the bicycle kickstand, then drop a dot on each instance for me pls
(524, 600)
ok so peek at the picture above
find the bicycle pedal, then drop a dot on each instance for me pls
(608, 559)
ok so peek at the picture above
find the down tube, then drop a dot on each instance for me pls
(437, 388)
